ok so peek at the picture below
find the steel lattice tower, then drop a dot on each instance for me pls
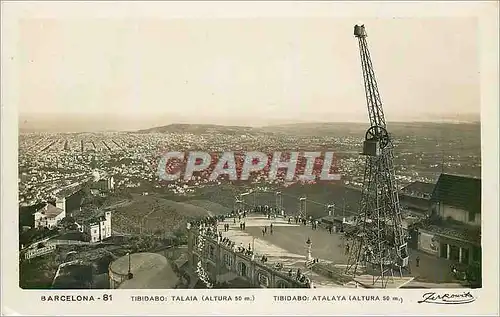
(377, 239)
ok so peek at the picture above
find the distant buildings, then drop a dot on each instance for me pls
(454, 229)
(419, 189)
(102, 186)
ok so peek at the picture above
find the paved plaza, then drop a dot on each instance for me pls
(287, 244)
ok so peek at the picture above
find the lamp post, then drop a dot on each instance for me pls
(253, 249)
(331, 212)
(309, 244)
(130, 275)
(303, 207)
(254, 198)
(279, 203)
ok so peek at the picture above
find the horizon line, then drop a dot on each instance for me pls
(48, 130)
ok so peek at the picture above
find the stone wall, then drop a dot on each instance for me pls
(223, 264)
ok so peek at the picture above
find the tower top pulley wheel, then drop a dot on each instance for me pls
(377, 133)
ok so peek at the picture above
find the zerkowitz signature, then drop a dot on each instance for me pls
(447, 298)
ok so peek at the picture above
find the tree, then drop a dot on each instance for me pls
(67, 222)
(180, 237)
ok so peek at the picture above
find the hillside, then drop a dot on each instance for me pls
(201, 129)
(154, 215)
(338, 129)
(212, 207)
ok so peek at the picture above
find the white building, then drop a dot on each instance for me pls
(49, 216)
(104, 184)
(99, 228)
(61, 203)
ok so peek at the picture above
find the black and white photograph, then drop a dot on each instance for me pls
(288, 152)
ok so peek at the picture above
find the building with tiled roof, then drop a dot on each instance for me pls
(458, 197)
(48, 216)
(454, 229)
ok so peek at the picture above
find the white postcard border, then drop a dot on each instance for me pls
(28, 302)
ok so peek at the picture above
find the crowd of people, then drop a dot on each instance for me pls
(209, 226)
(266, 210)
(209, 221)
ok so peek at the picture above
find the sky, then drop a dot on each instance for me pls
(243, 70)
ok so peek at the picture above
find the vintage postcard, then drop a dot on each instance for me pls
(240, 158)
